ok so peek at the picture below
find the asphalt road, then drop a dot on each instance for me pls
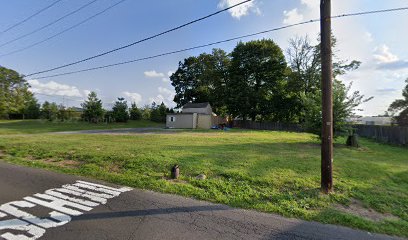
(114, 212)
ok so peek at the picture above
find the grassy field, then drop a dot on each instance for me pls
(44, 126)
(268, 171)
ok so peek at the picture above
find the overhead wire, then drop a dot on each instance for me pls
(142, 40)
(48, 24)
(63, 31)
(219, 42)
(30, 17)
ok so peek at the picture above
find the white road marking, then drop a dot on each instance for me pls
(63, 206)
(80, 193)
(51, 192)
(12, 209)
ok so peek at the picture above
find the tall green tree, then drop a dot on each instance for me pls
(92, 108)
(401, 106)
(120, 110)
(305, 82)
(202, 79)
(14, 93)
(257, 81)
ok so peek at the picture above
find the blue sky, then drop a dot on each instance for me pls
(379, 41)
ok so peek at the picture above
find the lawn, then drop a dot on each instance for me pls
(277, 172)
(44, 126)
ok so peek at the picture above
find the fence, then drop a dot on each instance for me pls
(276, 126)
(387, 134)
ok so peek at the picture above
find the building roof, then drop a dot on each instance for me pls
(196, 105)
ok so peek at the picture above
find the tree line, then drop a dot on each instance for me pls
(256, 81)
(121, 112)
(17, 102)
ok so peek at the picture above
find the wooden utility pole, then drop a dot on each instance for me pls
(327, 96)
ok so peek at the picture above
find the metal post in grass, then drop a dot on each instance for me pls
(327, 97)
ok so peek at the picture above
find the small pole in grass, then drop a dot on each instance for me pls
(175, 171)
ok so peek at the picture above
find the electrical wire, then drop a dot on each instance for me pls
(219, 42)
(142, 40)
(49, 24)
(31, 16)
(63, 31)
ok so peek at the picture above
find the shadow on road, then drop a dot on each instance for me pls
(149, 212)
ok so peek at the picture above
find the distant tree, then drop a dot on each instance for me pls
(32, 109)
(155, 113)
(62, 113)
(135, 112)
(120, 110)
(109, 118)
(162, 112)
(257, 81)
(401, 106)
(49, 111)
(92, 108)
(146, 112)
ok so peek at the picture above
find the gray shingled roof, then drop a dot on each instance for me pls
(196, 105)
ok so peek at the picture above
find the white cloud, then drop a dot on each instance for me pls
(87, 92)
(134, 97)
(57, 89)
(165, 95)
(383, 55)
(292, 16)
(241, 10)
(166, 80)
(153, 74)
(387, 60)
(312, 4)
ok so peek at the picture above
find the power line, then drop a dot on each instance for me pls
(219, 42)
(140, 41)
(63, 31)
(28, 18)
(49, 24)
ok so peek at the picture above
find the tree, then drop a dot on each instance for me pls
(135, 113)
(345, 103)
(49, 111)
(162, 112)
(146, 112)
(257, 81)
(14, 93)
(93, 111)
(62, 113)
(402, 106)
(304, 82)
(202, 79)
(155, 113)
(32, 109)
(120, 110)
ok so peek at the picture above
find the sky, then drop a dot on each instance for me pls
(379, 41)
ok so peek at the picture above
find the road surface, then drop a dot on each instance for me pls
(39, 204)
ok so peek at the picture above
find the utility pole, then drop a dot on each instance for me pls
(327, 97)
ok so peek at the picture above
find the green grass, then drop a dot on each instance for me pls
(44, 126)
(276, 172)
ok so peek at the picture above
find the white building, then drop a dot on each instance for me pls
(193, 115)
